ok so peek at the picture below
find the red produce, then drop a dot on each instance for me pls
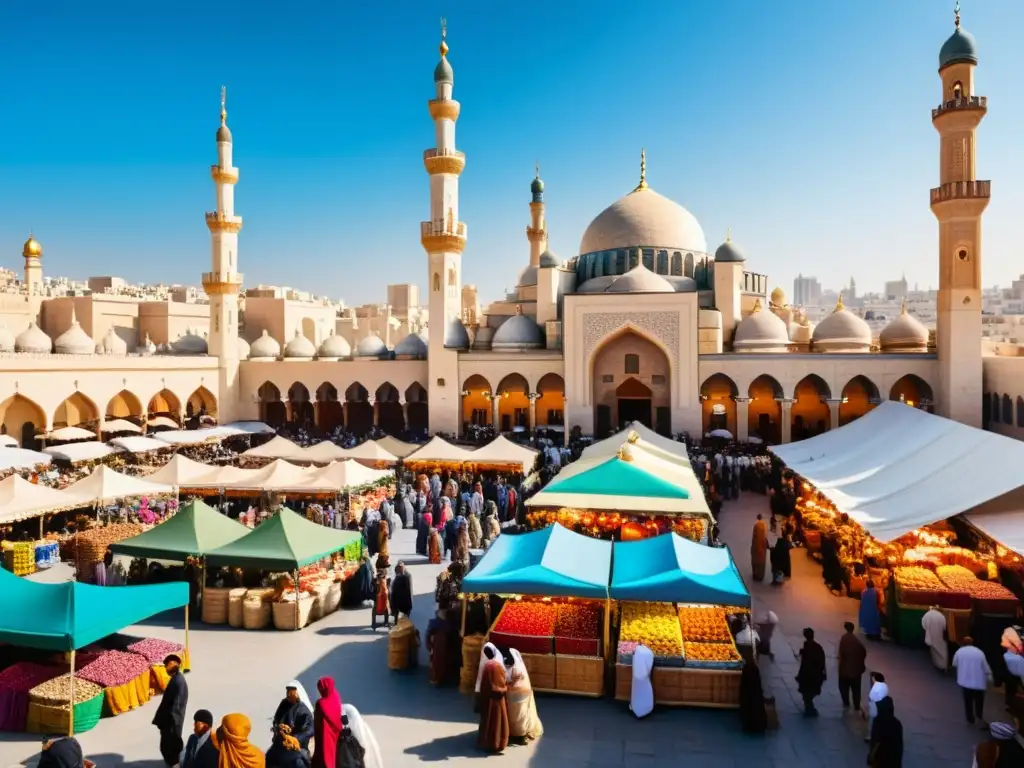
(527, 619)
(114, 668)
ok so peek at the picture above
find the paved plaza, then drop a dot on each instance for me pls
(235, 670)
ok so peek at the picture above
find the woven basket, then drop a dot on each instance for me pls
(235, 599)
(471, 647)
(285, 613)
(255, 613)
(320, 592)
(333, 598)
(56, 692)
(215, 605)
(401, 646)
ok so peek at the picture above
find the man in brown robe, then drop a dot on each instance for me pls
(494, 727)
(759, 549)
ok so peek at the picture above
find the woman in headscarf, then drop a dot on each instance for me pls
(752, 711)
(233, 745)
(326, 723)
(433, 545)
(361, 587)
(869, 615)
(446, 513)
(293, 728)
(475, 531)
(494, 724)
(641, 701)
(364, 735)
(487, 653)
(491, 527)
(423, 532)
(461, 554)
(886, 737)
(523, 721)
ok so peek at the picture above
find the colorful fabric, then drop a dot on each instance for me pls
(232, 742)
(326, 723)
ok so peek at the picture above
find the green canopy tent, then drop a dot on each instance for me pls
(196, 529)
(69, 615)
(285, 542)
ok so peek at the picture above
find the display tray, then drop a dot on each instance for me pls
(997, 606)
(522, 643)
(696, 687)
(542, 671)
(45, 719)
(575, 646)
(581, 675)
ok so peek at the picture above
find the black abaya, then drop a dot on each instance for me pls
(752, 711)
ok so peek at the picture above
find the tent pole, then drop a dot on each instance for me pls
(186, 665)
(71, 703)
(42, 525)
(465, 606)
(297, 612)
(607, 625)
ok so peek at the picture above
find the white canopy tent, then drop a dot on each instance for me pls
(180, 471)
(251, 427)
(21, 500)
(65, 434)
(396, 447)
(105, 485)
(162, 422)
(898, 468)
(6, 441)
(121, 425)
(343, 475)
(279, 475)
(325, 452)
(138, 444)
(277, 448)
(371, 451)
(501, 450)
(661, 448)
(22, 458)
(441, 451)
(73, 453)
(195, 436)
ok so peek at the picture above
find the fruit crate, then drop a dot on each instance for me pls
(582, 675)
(623, 682)
(526, 644)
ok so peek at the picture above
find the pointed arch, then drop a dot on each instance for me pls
(201, 403)
(299, 405)
(550, 406)
(124, 405)
(810, 413)
(859, 396)
(764, 412)
(272, 411)
(358, 410)
(993, 407)
(1020, 411)
(164, 403)
(608, 368)
(390, 415)
(76, 410)
(718, 396)
(417, 412)
(22, 419)
(476, 401)
(329, 412)
(513, 403)
(1007, 409)
(915, 391)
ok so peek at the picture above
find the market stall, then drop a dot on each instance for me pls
(295, 548)
(276, 448)
(17, 459)
(371, 454)
(325, 452)
(78, 453)
(502, 455)
(120, 427)
(644, 437)
(21, 500)
(182, 471)
(396, 447)
(70, 435)
(676, 598)
(437, 455)
(69, 617)
(558, 610)
(195, 530)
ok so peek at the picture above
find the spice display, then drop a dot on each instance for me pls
(916, 577)
(114, 668)
(57, 692)
(578, 629)
(655, 625)
(154, 650)
(704, 624)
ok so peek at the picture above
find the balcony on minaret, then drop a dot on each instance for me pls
(964, 103)
(224, 175)
(219, 222)
(222, 282)
(444, 109)
(443, 235)
(961, 190)
(444, 161)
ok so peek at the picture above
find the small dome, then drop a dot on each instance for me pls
(299, 347)
(597, 284)
(32, 339)
(265, 348)
(412, 346)
(761, 331)
(527, 277)
(537, 186)
(371, 346)
(334, 346)
(443, 72)
(483, 338)
(74, 341)
(191, 344)
(147, 347)
(778, 297)
(549, 259)
(960, 48)
(904, 334)
(518, 332)
(113, 344)
(681, 284)
(223, 133)
(640, 280)
(456, 336)
(644, 218)
(6, 339)
(243, 348)
(32, 249)
(842, 331)
(728, 252)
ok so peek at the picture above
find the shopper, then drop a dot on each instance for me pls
(357, 727)
(758, 549)
(199, 750)
(326, 724)
(878, 691)
(493, 733)
(233, 745)
(886, 749)
(401, 592)
(934, 625)
(170, 715)
(641, 701)
(852, 655)
(1004, 748)
(811, 675)
(293, 728)
(524, 722)
(973, 675)
(753, 714)
(766, 628)
(869, 615)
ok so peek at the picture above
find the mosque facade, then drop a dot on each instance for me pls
(646, 322)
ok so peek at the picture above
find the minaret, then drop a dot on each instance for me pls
(223, 283)
(958, 203)
(444, 238)
(537, 232)
(33, 253)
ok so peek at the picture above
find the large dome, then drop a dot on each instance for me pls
(761, 331)
(904, 334)
(644, 218)
(842, 331)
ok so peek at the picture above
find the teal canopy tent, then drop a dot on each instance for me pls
(285, 542)
(670, 568)
(196, 529)
(553, 562)
(69, 615)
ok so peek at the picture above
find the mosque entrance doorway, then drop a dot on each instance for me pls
(631, 381)
(634, 403)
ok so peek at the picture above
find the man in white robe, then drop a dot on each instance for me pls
(934, 625)
(641, 701)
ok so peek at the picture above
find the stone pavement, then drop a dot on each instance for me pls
(245, 671)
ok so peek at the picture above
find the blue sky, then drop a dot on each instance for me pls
(804, 126)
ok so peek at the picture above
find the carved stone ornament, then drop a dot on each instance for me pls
(663, 326)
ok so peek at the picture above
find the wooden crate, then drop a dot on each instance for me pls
(711, 688)
(668, 685)
(623, 682)
(958, 624)
(582, 675)
(542, 671)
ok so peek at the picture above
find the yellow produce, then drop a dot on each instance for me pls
(654, 625)
(707, 625)
(915, 577)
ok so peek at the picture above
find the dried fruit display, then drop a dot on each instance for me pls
(704, 624)
(655, 625)
(527, 619)
(154, 650)
(915, 577)
(114, 668)
(960, 579)
(578, 620)
(716, 652)
(57, 692)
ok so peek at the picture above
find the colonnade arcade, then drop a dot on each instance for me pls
(356, 409)
(767, 411)
(512, 404)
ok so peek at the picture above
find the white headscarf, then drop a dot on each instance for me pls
(303, 696)
(364, 736)
(483, 662)
(518, 669)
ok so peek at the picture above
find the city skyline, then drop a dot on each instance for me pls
(330, 141)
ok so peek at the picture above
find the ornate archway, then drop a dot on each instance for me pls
(329, 413)
(164, 403)
(77, 409)
(916, 392)
(201, 403)
(417, 412)
(550, 403)
(810, 414)
(764, 412)
(513, 395)
(718, 404)
(476, 401)
(859, 396)
(390, 416)
(623, 356)
(22, 419)
(358, 411)
(299, 404)
(124, 405)
(272, 410)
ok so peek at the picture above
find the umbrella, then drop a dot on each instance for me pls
(725, 433)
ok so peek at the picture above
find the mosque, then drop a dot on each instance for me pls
(646, 322)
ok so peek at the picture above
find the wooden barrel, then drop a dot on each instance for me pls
(235, 599)
(215, 605)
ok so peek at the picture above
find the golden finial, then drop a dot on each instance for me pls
(839, 304)
(536, 169)
(757, 306)
(903, 306)
(633, 438)
(223, 105)
(625, 454)
(728, 235)
(444, 34)
(643, 171)
(956, 14)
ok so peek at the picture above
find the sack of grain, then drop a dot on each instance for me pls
(236, 597)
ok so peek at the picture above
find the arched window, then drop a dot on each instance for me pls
(620, 262)
(649, 258)
(688, 266)
(437, 281)
(958, 90)
(451, 277)
(633, 364)
(677, 264)
(995, 408)
(1020, 411)
(1007, 410)
(634, 258)
(662, 262)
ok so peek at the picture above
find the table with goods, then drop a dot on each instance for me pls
(625, 526)
(696, 662)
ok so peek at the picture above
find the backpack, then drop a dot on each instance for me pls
(350, 753)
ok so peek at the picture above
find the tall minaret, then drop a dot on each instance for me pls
(33, 253)
(223, 283)
(537, 232)
(444, 238)
(958, 203)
